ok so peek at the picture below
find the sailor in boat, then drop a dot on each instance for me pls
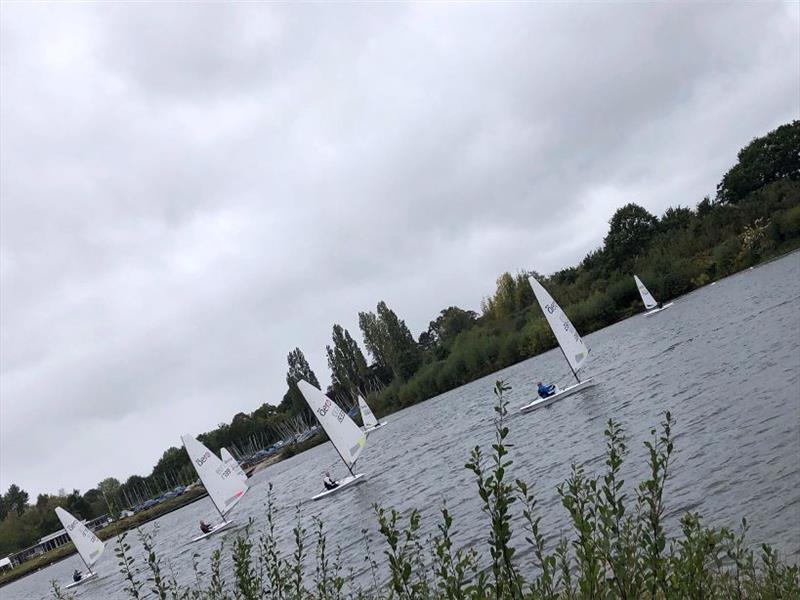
(76, 576)
(329, 483)
(546, 391)
(205, 527)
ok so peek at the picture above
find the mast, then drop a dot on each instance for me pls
(217, 507)
(83, 560)
(349, 468)
(568, 363)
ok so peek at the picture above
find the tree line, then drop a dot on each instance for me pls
(754, 216)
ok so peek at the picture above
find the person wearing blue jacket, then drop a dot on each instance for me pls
(546, 390)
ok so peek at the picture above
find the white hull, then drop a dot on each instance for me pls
(371, 429)
(87, 577)
(567, 391)
(658, 310)
(345, 483)
(215, 529)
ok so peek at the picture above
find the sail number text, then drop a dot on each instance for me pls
(338, 413)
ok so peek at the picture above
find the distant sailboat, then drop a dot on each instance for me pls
(370, 422)
(650, 303)
(572, 347)
(228, 459)
(223, 484)
(344, 434)
(87, 544)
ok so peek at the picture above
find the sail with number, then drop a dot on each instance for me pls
(370, 422)
(345, 435)
(647, 297)
(223, 485)
(575, 351)
(228, 459)
(86, 543)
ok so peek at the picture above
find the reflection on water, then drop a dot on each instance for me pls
(724, 359)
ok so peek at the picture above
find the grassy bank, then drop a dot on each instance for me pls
(617, 546)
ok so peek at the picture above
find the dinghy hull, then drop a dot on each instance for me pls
(88, 577)
(650, 313)
(216, 529)
(371, 429)
(347, 482)
(567, 391)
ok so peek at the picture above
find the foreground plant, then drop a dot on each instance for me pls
(618, 549)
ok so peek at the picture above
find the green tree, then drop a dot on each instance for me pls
(346, 361)
(450, 322)
(512, 294)
(426, 340)
(293, 401)
(523, 293)
(173, 459)
(376, 338)
(764, 160)
(676, 218)
(216, 438)
(16, 499)
(242, 426)
(704, 207)
(631, 229)
(299, 368)
(504, 303)
(42, 500)
(97, 503)
(78, 505)
(16, 534)
(110, 488)
(404, 354)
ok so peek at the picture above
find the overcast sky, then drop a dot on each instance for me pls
(190, 191)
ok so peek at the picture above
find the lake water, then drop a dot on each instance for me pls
(724, 359)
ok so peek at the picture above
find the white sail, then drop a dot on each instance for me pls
(345, 435)
(647, 297)
(86, 543)
(571, 343)
(223, 485)
(366, 414)
(228, 459)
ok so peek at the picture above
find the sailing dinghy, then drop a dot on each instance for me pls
(344, 434)
(228, 459)
(649, 302)
(87, 544)
(370, 422)
(224, 486)
(572, 347)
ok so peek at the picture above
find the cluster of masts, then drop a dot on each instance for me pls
(226, 482)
